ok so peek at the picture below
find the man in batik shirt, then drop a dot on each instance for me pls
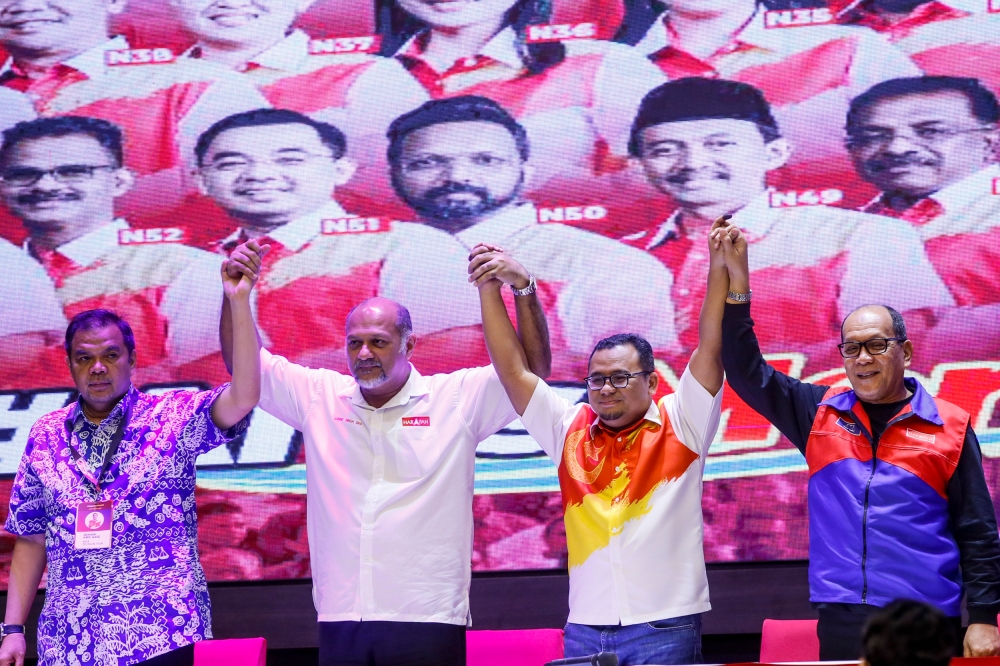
(105, 495)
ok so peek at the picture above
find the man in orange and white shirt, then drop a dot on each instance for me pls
(808, 74)
(630, 471)
(930, 145)
(337, 80)
(61, 177)
(462, 165)
(575, 98)
(708, 145)
(63, 60)
(948, 38)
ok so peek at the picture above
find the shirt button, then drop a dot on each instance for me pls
(619, 439)
(616, 500)
(618, 565)
(684, 292)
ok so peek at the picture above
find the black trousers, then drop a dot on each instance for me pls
(841, 625)
(391, 644)
(183, 656)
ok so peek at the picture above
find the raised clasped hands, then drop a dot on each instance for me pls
(490, 266)
(728, 246)
(242, 269)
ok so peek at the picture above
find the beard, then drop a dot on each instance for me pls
(370, 384)
(435, 205)
(611, 416)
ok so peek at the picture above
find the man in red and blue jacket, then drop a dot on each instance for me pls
(898, 501)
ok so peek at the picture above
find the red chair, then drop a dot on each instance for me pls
(527, 647)
(789, 640)
(232, 652)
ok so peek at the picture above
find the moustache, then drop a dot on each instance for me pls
(456, 188)
(367, 364)
(886, 162)
(684, 177)
(32, 198)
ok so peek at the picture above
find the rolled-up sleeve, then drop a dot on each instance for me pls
(694, 413)
(287, 390)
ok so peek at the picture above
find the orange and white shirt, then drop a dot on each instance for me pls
(579, 284)
(162, 108)
(359, 93)
(959, 226)
(578, 114)
(170, 294)
(632, 503)
(829, 65)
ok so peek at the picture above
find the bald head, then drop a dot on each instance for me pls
(380, 342)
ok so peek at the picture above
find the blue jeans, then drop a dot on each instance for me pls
(673, 641)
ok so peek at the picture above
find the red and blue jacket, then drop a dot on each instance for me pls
(906, 514)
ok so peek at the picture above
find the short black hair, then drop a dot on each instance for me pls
(464, 108)
(99, 318)
(696, 98)
(331, 136)
(898, 323)
(108, 135)
(646, 360)
(908, 633)
(982, 102)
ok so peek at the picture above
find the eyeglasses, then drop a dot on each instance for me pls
(921, 135)
(240, 163)
(873, 347)
(618, 380)
(67, 174)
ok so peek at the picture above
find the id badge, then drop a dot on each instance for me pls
(93, 524)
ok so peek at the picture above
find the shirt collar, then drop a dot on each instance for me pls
(92, 62)
(285, 55)
(652, 415)
(298, 233)
(119, 410)
(90, 247)
(752, 35)
(502, 48)
(501, 226)
(415, 387)
(922, 403)
(755, 219)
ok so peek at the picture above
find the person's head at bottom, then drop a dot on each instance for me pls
(908, 633)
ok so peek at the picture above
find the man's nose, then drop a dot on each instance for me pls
(459, 171)
(901, 144)
(365, 352)
(695, 157)
(260, 171)
(98, 368)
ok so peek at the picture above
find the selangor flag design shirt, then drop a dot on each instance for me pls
(632, 503)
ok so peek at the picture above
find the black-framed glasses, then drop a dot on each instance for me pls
(873, 347)
(618, 380)
(67, 173)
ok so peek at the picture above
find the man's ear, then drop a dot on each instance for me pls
(907, 353)
(133, 359)
(124, 180)
(343, 171)
(411, 342)
(992, 148)
(778, 152)
(654, 382)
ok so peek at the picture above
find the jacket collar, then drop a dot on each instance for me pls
(922, 403)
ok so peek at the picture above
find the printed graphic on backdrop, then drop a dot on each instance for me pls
(855, 141)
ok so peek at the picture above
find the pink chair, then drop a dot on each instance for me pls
(789, 640)
(524, 647)
(232, 652)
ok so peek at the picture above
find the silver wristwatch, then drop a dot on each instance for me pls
(527, 291)
(740, 298)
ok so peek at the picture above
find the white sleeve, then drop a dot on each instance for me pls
(624, 78)
(286, 390)
(876, 60)
(694, 413)
(28, 299)
(15, 107)
(483, 401)
(547, 419)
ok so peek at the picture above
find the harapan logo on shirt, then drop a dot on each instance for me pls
(794, 18)
(416, 421)
(338, 45)
(150, 236)
(356, 225)
(590, 213)
(119, 57)
(921, 436)
(538, 34)
(849, 426)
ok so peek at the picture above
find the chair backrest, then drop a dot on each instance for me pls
(789, 640)
(232, 652)
(521, 647)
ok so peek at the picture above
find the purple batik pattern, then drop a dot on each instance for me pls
(146, 594)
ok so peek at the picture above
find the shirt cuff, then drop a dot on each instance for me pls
(984, 614)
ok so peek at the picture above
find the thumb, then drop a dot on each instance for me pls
(264, 249)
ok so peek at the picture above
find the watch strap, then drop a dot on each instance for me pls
(8, 629)
(740, 298)
(527, 291)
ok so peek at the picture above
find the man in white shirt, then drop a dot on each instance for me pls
(462, 164)
(391, 462)
(630, 471)
(61, 177)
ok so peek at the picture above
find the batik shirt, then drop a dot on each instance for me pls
(147, 594)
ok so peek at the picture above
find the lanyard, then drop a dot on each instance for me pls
(116, 440)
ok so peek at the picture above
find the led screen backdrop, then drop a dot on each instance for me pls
(616, 243)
